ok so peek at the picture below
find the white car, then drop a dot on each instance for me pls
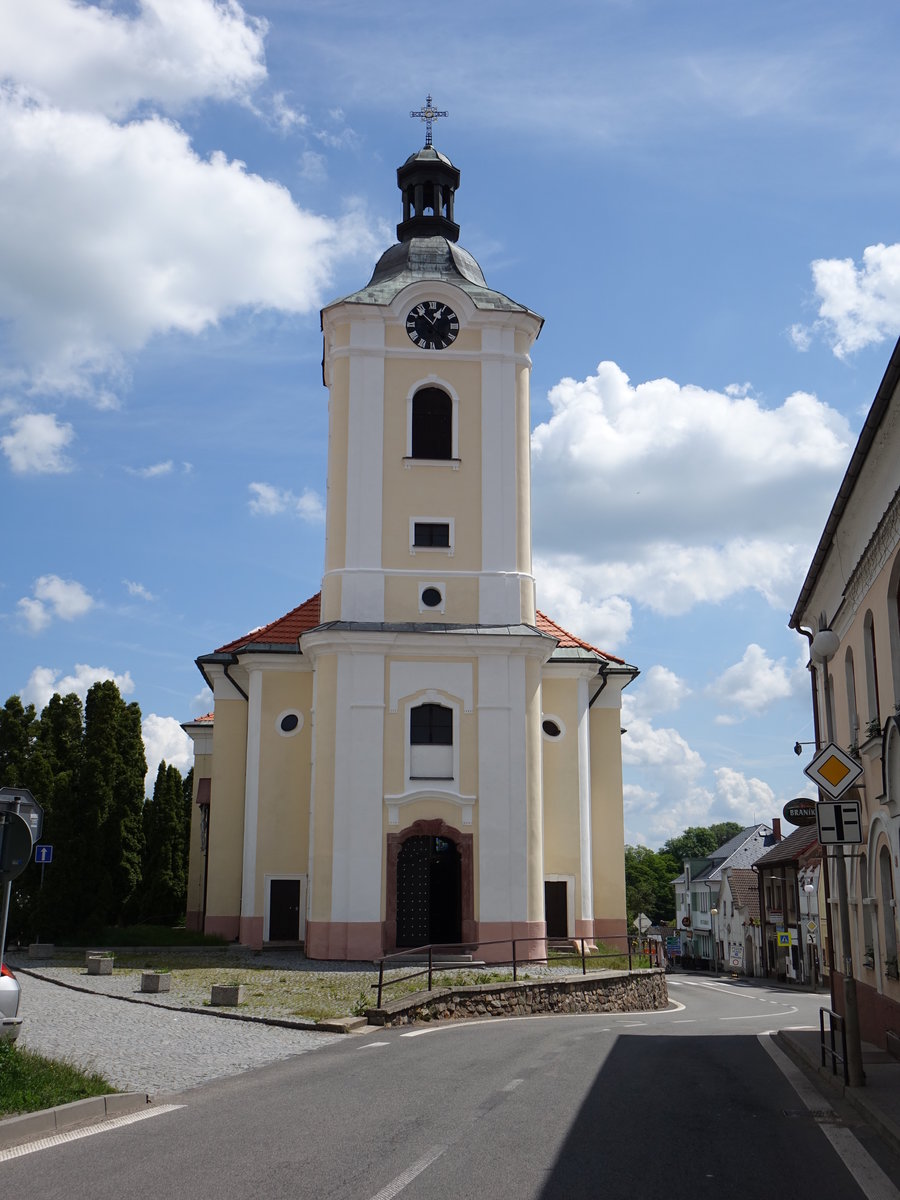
(10, 1021)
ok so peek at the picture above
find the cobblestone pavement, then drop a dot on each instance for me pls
(145, 1048)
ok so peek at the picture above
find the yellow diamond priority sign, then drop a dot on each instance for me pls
(833, 770)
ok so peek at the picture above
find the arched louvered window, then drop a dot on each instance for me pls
(432, 424)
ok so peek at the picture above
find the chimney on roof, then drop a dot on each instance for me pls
(776, 828)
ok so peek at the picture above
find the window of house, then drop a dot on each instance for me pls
(432, 424)
(431, 742)
(431, 535)
(871, 670)
(852, 713)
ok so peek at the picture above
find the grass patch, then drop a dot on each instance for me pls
(29, 1083)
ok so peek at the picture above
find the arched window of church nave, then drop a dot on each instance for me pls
(889, 914)
(874, 715)
(432, 424)
(852, 711)
(894, 629)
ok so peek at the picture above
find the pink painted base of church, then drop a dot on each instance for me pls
(344, 940)
(490, 941)
(530, 940)
(251, 933)
(223, 927)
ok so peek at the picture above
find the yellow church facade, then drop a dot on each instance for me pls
(416, 755)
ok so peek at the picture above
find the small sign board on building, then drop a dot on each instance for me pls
(801, 811)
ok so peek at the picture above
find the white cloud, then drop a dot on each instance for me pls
(37, 443)
(170, 52)
(63, 598)
(202, 703)
(154, 471)
(44, 682)
(657, 690)
(165, 739)
(111, 234)
(674, 495)
(645, 745)
(138, 589)
(563, 593)
(269, 501)
(755, 683)
(749, 801)
(858, 306)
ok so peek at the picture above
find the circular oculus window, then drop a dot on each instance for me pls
(551, 728)
(289, 722)
(431, 597)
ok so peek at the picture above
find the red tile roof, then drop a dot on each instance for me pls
(568, 640)
(284, 631)
(744, 885)
(791, 848)
(287, 629)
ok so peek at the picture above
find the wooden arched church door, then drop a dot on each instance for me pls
(429, 892)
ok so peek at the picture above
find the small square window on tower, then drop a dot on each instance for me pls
(429, 533)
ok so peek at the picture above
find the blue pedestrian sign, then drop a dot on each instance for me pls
(43, 854)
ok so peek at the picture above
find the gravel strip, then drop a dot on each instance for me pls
(146, 1048)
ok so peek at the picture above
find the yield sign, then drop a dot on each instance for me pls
(833, 770)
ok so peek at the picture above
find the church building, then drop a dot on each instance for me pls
(416, 754)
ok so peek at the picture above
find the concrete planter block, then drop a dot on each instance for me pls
(156, 981)
(40, 950)
(100, 965)
(89, 954)
(227, 995)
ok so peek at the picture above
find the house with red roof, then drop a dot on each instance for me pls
(416, 755)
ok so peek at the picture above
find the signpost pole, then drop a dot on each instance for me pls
(856, 1076)
(7, 888)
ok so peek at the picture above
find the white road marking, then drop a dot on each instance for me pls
(513, 1084)
(73, 1135)
(634, 1024)
(397, 1185)
(754, 1016)
(685, 1021)
(372, 1045)
(873, 1182)
(417, 1033)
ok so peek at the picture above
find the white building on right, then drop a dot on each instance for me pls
(849, 608)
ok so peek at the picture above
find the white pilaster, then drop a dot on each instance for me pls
(502, 832)
(362, 595)
(584, 800)
(358, 788)
(251, 795)
(499, 594)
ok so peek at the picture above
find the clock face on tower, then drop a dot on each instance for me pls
(432, 325)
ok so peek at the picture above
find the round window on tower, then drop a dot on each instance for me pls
(289, 722)
(431, 596)
(553, 728)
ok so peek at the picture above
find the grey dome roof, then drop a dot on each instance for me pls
(428, 154)
(430, 258)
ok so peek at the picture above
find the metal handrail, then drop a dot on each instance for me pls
(834, 1018)
(515, 961)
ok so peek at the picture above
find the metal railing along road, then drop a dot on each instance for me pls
(834, 1019)
(438, 953)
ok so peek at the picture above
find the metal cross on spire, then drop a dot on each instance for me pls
(428, 114)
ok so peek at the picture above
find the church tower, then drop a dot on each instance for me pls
(428, 598)
(416, 755)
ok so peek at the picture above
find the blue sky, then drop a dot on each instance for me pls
(700, 199)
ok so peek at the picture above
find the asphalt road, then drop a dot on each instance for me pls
(684, 1103)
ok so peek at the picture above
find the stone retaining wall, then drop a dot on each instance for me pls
(641, 991)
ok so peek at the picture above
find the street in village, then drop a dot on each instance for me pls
(696, 1100)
